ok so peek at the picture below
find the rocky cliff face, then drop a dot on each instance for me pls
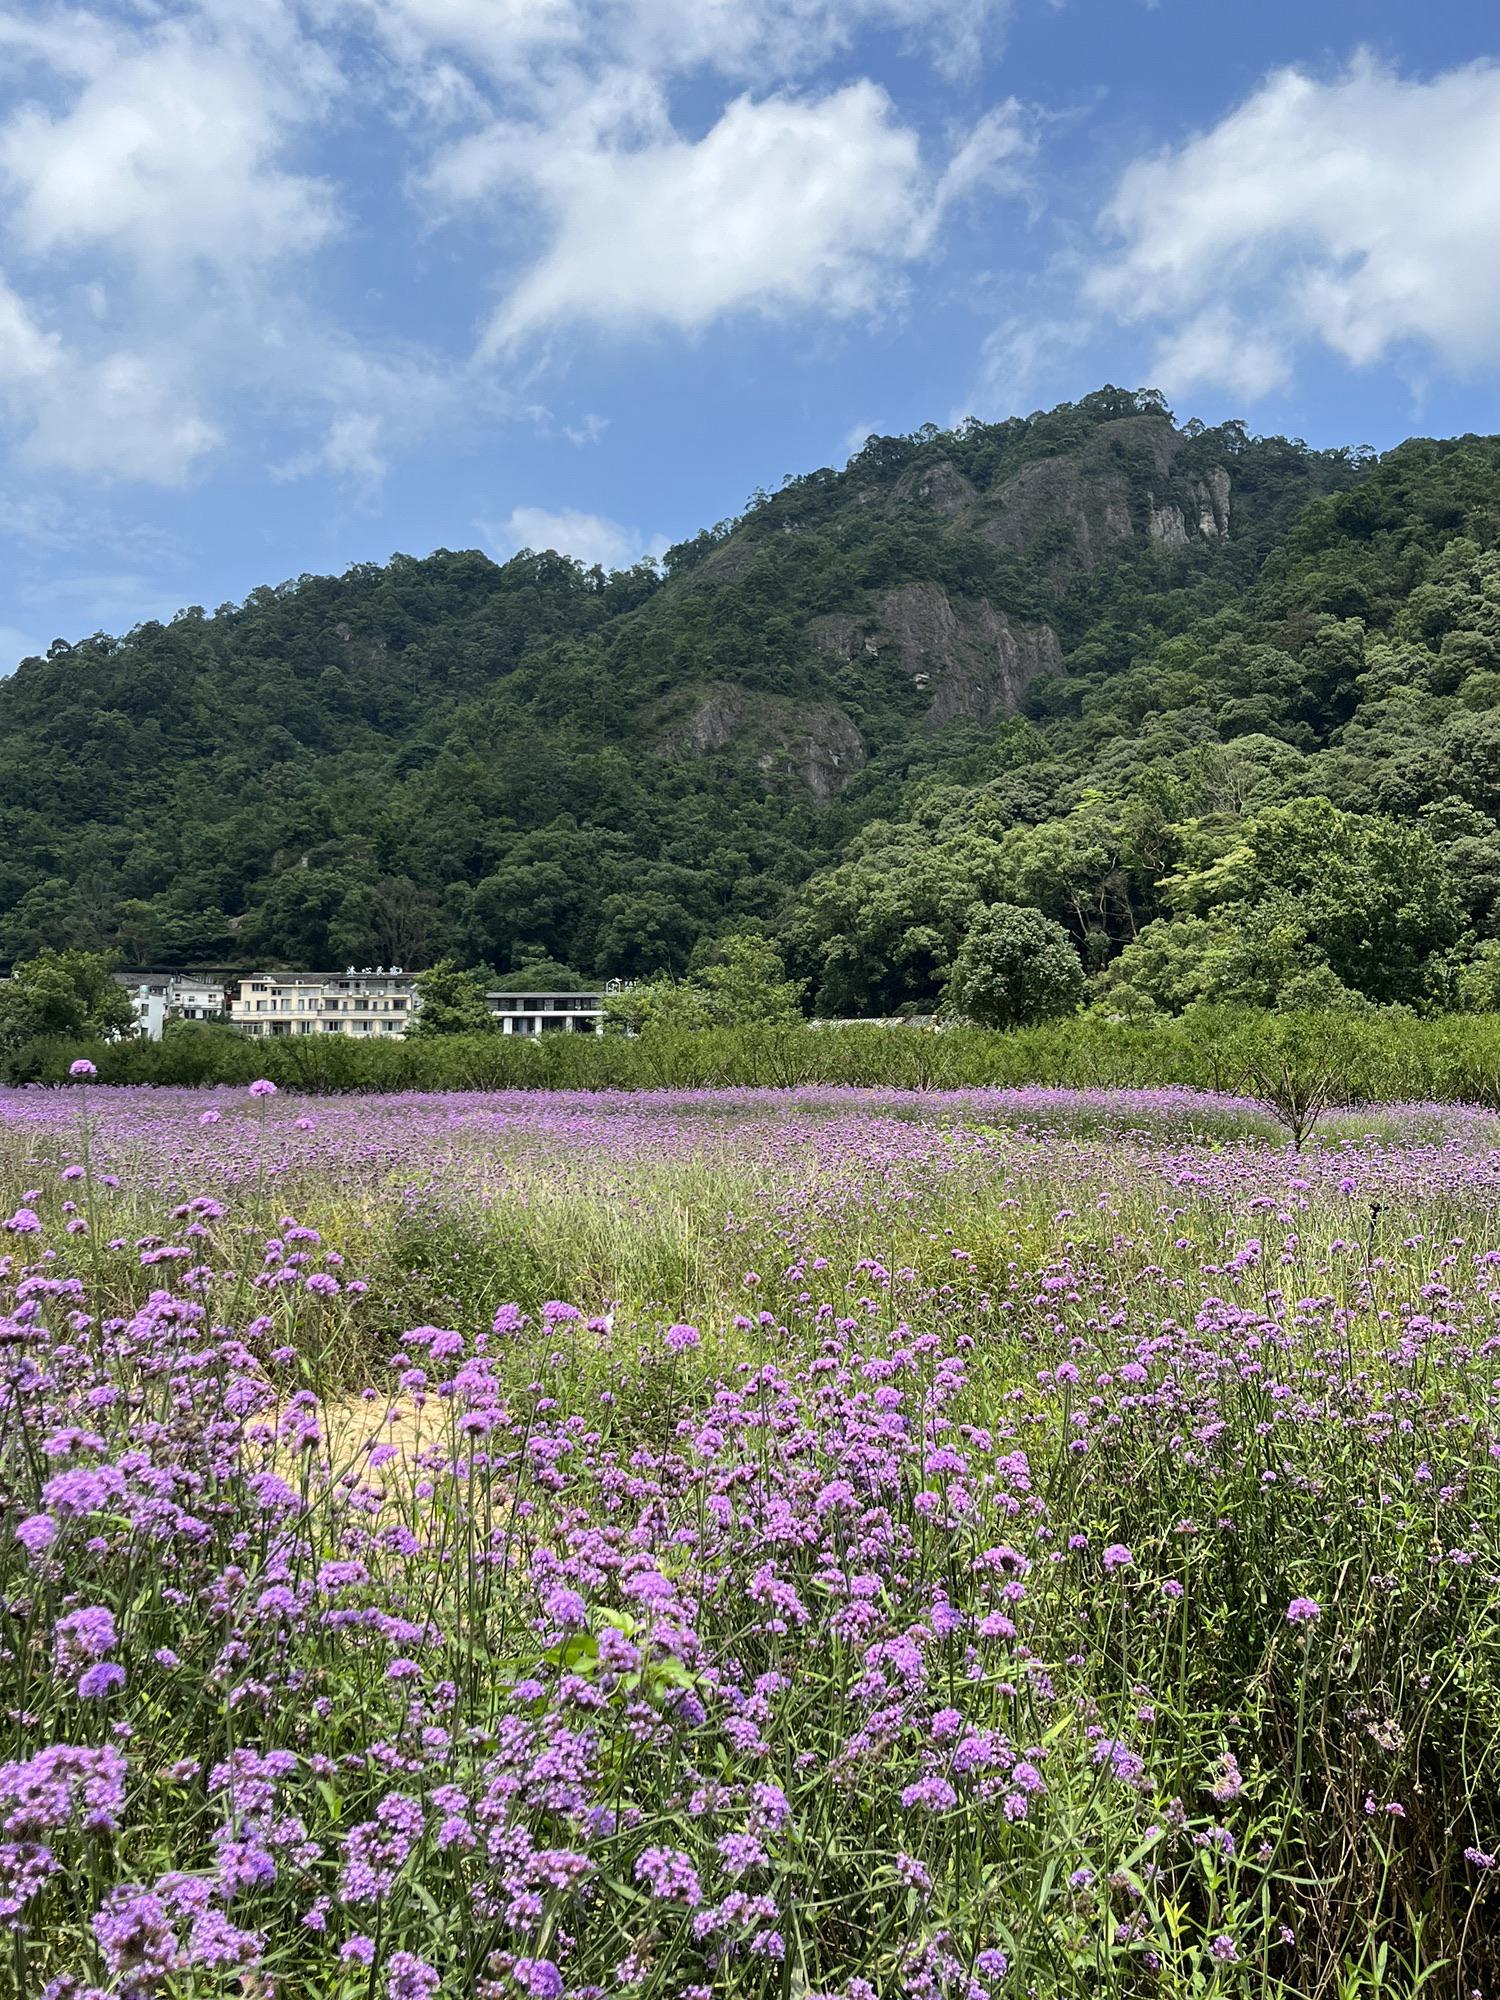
(813, 744)
(1202, 514)
(942, 488)
(974, 661)
(1106, 492)
(1082, 508)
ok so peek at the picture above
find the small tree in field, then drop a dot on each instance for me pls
(740, 983)
(1300, 1066)
(65, 993)
(541, 975)
(1014, 967)
(452, 1002)
(657, 1006)
(744, 984)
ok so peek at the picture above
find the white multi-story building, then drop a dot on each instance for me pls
(377, 1001)
(547, 1013)
(159, 997)
(148, 999)
(193, 999)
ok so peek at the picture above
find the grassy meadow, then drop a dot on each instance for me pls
(858, 1542)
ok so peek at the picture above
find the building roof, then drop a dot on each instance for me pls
(326, 978)
(580, 997)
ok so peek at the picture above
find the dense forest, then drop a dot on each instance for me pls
(1226, 707)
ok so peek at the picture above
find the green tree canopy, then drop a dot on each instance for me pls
(744, 984)
(540, 975)
(1014, 966)
(452, 1002)
(978, 665)
(1371, 896)
(64, 993)
(740, 981)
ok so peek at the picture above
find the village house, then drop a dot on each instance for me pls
(190, 998)
(377, 1000)
(547, 1013)
(159, 997)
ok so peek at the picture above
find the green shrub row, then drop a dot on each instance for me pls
(1380, 1058)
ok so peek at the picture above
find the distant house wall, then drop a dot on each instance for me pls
(547, 1013)
(159, 997)
(377, 1001)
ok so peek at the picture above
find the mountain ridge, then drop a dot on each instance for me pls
(530, 759)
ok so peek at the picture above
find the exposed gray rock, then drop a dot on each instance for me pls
(1077, 507)
(1206, 516)
(942, 487)
(731, 558)
(811, 743)
(1164, 524)
(1212, 495)
(843, 635)
(976, 661)
(1051, 497)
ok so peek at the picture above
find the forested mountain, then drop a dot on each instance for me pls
(1226, 706)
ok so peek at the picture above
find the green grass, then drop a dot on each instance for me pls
(1268, 1376)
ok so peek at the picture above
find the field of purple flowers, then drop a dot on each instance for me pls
(758, 1543)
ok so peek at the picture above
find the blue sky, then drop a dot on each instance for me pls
(288, 284)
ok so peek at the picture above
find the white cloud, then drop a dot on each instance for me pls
(785, 204)
(351, 450)
(122, 416)
(501, 35)
(1356, 213)
(991, 157)
(115, 414)
(588, 430)
(149, 219)
(1216, 347)
(26, 351)
(588, 537)
(750, 38)
(537, 41)
(165, 150)
(791, 200)
(364, 407)
(1021, 362)
(50, 525)
(166, 221)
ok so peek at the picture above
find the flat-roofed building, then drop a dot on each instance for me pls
(148, 1000)
(547, 1013)
(193, 999)
(377, 1001)
(159, 997)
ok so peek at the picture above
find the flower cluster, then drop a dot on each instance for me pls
(540, 1549)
